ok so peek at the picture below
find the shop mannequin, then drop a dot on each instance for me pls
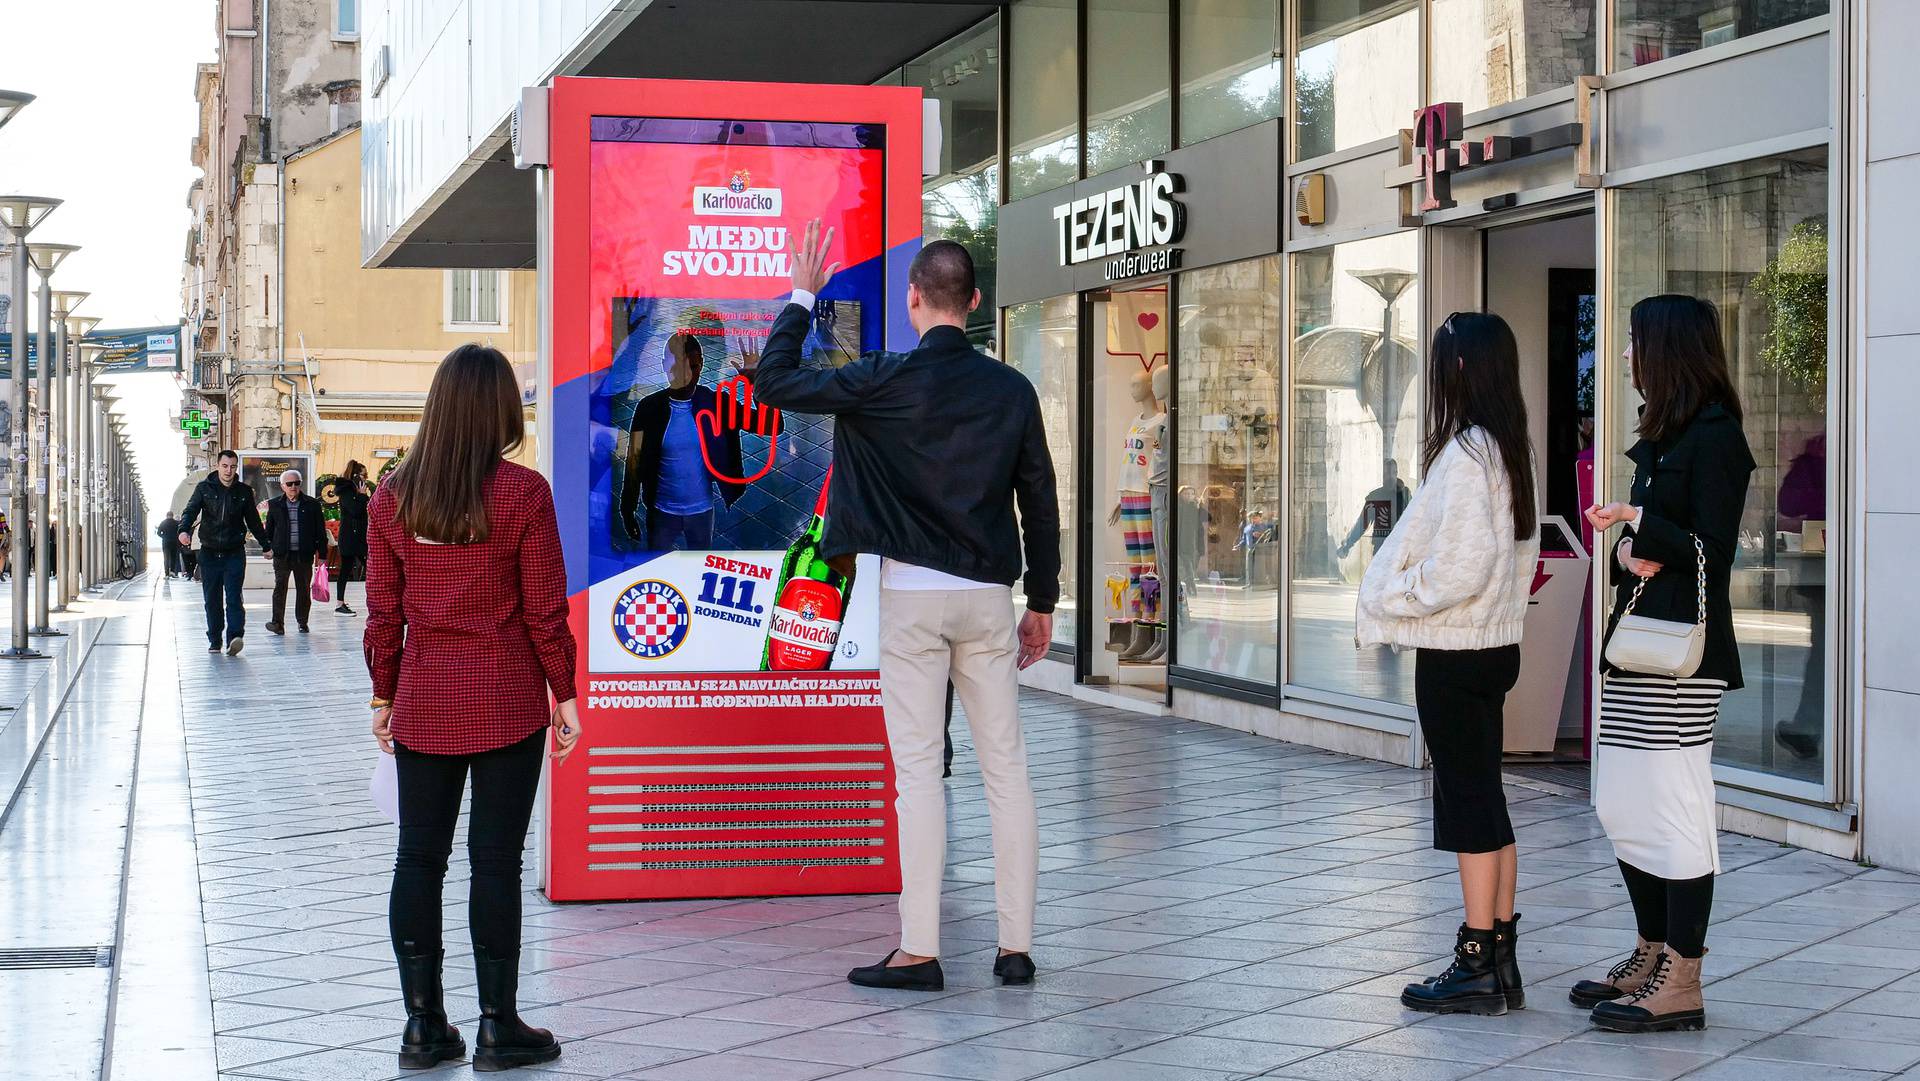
(1133, 512)
(1157, 502)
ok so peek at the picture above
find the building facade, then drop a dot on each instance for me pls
(1260, 321)
(366, 342)
(287, 77)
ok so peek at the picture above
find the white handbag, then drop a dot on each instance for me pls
(1661, 647)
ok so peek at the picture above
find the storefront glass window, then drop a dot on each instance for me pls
(1490, 52)
(1129, 89)
(1358, 75)
(1229, 76)
(1043, 115)
(1355, 439)
(1752, 238)
(1227, 478)
(1043, 342)
(1649, 30)
(962, 202)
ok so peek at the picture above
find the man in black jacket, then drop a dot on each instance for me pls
(668, 449)
(169, 530)
(933, 450)
(224, 509)
(297, 534)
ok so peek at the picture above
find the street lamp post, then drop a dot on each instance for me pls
(20, 215)
(114, 429)
(46, 259)
(72, 410)
(96, 487)
(64, 301)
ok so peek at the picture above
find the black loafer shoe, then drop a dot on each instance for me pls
(1014, 969)
(925, 976)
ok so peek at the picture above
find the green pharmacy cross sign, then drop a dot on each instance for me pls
(195, 424)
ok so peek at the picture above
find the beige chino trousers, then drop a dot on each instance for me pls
(927, 637)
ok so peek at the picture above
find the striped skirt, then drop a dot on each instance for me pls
(1653, 772)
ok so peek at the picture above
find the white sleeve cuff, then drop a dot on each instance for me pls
(1634, 525)
(802, 298)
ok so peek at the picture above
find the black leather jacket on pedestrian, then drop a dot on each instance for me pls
(313, 527)
(1692, 485)
(932, 451)
(225, 514)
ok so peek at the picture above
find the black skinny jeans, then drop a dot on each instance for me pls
(504, 783)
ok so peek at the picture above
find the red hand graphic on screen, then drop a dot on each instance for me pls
(734, 410)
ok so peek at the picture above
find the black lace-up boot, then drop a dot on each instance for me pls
(1471, 984)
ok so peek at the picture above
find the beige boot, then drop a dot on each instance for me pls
(1668, 1001)
(1622, 979)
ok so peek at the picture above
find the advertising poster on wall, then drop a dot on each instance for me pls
(734, 740)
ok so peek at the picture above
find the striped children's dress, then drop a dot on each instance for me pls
(1653, 772)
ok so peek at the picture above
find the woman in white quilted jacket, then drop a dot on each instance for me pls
(1451, 582)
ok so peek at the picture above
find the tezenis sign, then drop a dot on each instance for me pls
(1435, 149)
(1118, 224)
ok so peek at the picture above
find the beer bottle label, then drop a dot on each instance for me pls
(805, 626)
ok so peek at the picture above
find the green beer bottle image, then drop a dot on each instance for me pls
(810, 600)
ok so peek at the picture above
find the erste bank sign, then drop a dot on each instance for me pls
(1121, 224)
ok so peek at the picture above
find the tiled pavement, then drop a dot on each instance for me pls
(1214, 905)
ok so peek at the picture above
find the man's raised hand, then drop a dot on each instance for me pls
(811, 271)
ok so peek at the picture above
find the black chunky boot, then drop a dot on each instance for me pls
(1470, 985)
(1506, 939)
(505, 1041)
(429, 1039)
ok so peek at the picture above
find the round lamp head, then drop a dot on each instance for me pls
(65, 300)
(11, 102)
(82, 325)
(46, 257)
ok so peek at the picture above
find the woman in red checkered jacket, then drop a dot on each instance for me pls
(466, 637)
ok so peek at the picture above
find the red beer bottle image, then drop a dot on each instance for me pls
(810, 599)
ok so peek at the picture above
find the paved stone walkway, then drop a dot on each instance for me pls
(1213, 905)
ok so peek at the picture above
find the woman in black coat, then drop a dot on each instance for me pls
(1653, 762)
(351, 490)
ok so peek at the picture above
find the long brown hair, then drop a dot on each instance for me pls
(471, 421)
(1679, 363)
(1473, 381)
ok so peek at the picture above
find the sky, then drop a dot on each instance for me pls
(110, 133)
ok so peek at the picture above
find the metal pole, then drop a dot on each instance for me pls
(93, 488)
(69, 499)
(56, 465)
(17, 498)
(42, 528)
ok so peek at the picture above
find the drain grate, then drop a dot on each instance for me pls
(57, 957)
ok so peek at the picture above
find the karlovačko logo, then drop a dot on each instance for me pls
(738, 199)
(650, 619)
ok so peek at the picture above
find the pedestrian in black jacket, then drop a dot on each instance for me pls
(1653, 763)
(297, 532)
(351, 490)
(932, 451)
(223, 508)
(169, 531)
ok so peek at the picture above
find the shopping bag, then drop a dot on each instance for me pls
(384, 787)
(320, 580)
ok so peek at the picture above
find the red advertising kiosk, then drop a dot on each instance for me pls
(734, 743)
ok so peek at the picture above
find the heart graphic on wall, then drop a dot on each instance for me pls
(1136, 325)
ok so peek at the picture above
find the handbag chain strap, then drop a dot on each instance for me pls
(1700, 581)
